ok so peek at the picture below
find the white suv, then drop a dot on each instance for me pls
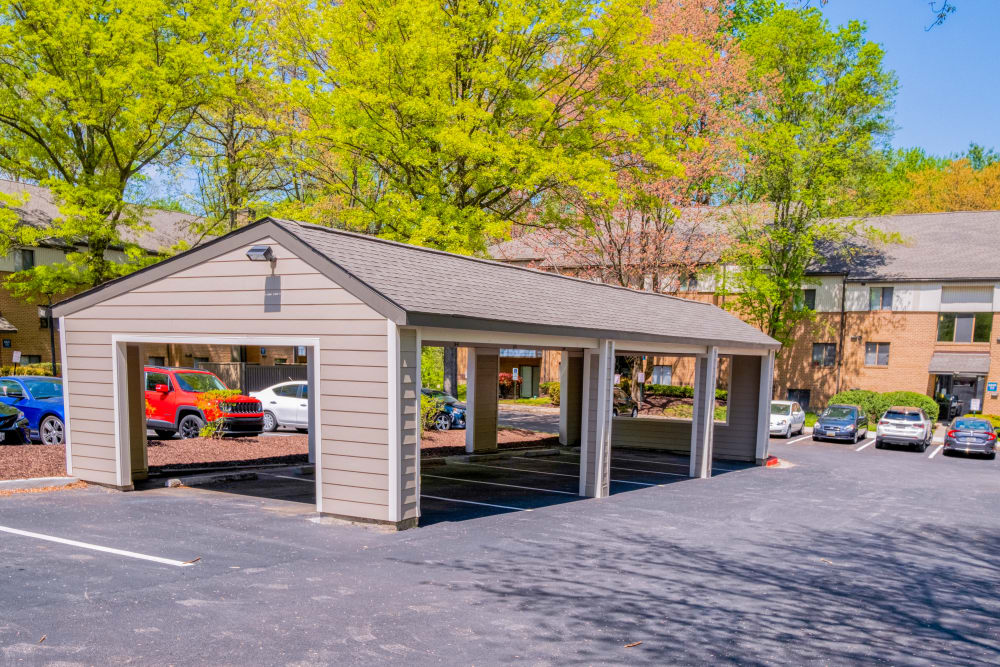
(907, 426)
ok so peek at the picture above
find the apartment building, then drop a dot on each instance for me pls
(916, 314)
(24, 326)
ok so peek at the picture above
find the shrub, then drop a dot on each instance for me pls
(551, 389)
(209, 403)
(508, 385)
(872, 402)
(913, 399)
(429, 409)
(30, 369)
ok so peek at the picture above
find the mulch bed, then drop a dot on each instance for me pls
(27, 461)
(450, 443)
(653, 406)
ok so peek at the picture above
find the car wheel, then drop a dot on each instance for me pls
(442, 422)
(991, 455)
(635, 412)
(164, 435)
(815, 439)
(614, 412)
(879, 444)
(51, 431)
(190, 426)
(270, 422)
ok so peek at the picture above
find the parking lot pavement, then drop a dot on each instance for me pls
(843, 556)
(532, 420)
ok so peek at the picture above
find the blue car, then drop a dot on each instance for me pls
(842, 422)
(452, 414)
(41, 401)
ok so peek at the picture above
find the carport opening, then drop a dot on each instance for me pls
(230, 418)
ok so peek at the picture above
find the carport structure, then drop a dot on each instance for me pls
(363, 307)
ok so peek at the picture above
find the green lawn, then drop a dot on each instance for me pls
(541, 400)
(686, 411)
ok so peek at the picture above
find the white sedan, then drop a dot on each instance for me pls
(787, 418)
(285, 404)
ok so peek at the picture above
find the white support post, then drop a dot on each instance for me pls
(570, 393)
(395, 498)
(596, 424)
(764, 406)
(703, 417)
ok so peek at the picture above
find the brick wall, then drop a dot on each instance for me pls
(31, 338)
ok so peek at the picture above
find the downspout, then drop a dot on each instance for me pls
(843, 317)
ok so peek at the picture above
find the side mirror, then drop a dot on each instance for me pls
(16, 394)
(162, 388)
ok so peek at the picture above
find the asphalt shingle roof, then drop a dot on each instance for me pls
(425, 281)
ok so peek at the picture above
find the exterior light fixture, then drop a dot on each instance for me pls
(261, 253)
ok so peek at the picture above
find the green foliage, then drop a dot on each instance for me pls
(432, 367)
(550, 389)
(92, 92)
(871, 402)
(429, 409)
(462, 392)
(30, 369)
(813, 150)
(912, 399)
(212, 405)
(441, 123)
(679, 391)
(993, 419)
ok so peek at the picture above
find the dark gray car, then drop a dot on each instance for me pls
(971, 435)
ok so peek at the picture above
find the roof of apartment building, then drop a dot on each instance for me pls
(928, 246)
(167, 228)
(420, 286)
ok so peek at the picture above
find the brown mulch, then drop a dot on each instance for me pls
(450, 443)
(44, 489)
(25, 461)
(227, 452)
(655, 405)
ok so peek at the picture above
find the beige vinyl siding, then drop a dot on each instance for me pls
(225, 297)
(409, 437)
(673, 435)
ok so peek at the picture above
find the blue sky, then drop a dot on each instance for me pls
(949, 77)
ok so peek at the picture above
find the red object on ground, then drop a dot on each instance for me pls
(772, 461)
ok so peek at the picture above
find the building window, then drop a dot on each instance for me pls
(880, 298)
(157, 361)
(965, 327)
(809, 299)
(876, 354)
(24, 259)
(824, 354)
(200, 360)
(43, 322)
(280, 360)
(27, 359)
(662, 375)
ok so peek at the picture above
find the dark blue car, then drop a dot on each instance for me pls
(452, 414)
(841, 422)
(41, 401)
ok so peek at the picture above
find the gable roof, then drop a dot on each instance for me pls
(167, 227)
(424, 287)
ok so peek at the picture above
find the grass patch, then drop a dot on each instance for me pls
(686, 411)
(541, 400)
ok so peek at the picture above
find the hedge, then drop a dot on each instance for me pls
(550, 389)
(30, 369)
(993, 419)
(875, 404)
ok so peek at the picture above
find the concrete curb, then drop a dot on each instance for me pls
(36, 483)
(499, 455)
(542, 409)
(202, 480)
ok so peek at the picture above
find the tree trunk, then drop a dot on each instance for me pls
(451, 370)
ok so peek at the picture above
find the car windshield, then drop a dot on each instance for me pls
(779, 409)
(972, 425)
(40, 388)
(903, 416)
(199, 382)
(838, 413)
(439, 395)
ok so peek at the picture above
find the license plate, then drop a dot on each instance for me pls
(830, 433)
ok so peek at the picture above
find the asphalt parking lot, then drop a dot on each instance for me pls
(843, 555)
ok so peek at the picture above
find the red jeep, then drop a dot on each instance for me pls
(172, 399)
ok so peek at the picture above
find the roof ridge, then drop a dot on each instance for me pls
(481, 260)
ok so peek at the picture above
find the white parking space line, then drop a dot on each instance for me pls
(651, 472)
(510, 486)
(935, 452)
(95, 547)
(801, 437)
(473, 502)
(868, 443)
(541, 472)
(297, 479)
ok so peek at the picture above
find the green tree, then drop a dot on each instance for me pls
(92, 92)
(438, 122)
(813, 149)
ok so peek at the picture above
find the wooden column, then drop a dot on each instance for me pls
(570, 397)
(481, 400)
(595, 424)
(703, 419)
